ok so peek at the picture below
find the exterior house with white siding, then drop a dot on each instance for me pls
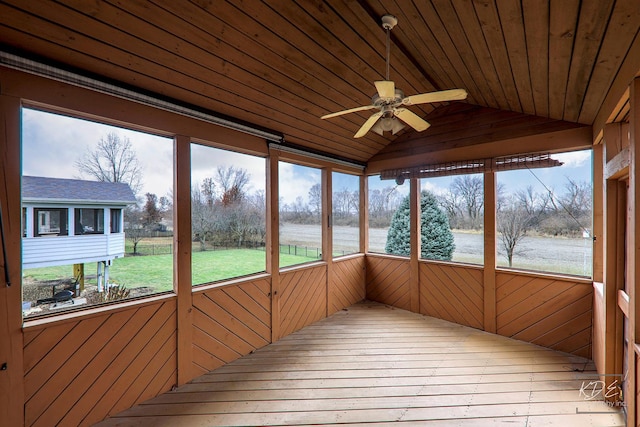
(72, 221)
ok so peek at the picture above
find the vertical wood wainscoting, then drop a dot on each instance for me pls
(79, 370)
(229, 322)
(347, 285)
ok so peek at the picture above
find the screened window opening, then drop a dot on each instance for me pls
(300, 209)
(544, 217)
(384, 199)
(452, 218)
(100, 229)
(50, 222)
(345, 224)
(89, 221)
(228, 214)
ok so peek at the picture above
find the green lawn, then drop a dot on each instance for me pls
(156, 271)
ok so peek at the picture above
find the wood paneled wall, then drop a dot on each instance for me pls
(452, 293)
(551, 311)
(388, 281)
(79, 371)
(229, 322)
(347, 286)
(303, 298)
(548, 311)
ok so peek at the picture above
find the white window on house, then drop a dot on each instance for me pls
(89, 221)
(50, 222)
(116, 221)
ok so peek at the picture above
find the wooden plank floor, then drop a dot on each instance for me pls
(375, 365)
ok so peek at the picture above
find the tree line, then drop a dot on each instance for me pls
(223, 209)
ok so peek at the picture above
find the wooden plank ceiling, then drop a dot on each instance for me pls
(280, 65)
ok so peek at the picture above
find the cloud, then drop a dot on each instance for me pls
(296, 181)
(52, 143)
(574, 159)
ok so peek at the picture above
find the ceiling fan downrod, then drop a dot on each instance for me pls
(388, 22)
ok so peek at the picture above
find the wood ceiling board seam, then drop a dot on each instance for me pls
(402, 51)
(424, 49)
(277, 95)
(563, 22)
(512, 23)
(625, 19)
(460, 40)
(592, 23)
(473, 31)
(128, 59)
(296, 77)
(432, 19)
(536, 25)
(413, 54)
(493, 33)
(359, 76)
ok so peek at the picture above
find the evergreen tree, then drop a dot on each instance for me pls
(437, 239)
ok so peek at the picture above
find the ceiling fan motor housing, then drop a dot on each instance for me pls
(389, 21)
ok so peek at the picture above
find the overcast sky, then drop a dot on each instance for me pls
(53, 143)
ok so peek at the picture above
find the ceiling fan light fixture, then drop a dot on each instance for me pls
(388, 124)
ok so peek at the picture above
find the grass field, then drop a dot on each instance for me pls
(155, 272)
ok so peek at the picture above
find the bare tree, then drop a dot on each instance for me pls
(315, 200)
(469, 190)
(513, 224)
(232, 183)
(113, 160)
(202, 215)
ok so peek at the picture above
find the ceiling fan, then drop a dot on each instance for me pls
(392, 103)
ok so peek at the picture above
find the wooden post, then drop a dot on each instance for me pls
(633, 248)
(327, 233)
(612, 240)
(78, 274)
(182, 255)
(273, 241)
(598, 214)
(416, 244)
(364, 214)
(490, 230)
(11, 338)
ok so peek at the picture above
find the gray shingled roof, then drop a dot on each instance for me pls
(38, 188)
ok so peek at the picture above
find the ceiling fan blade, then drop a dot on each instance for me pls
(368, 124)
(440, 96)
(410, 118)
(351, 110)
(386, 88)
